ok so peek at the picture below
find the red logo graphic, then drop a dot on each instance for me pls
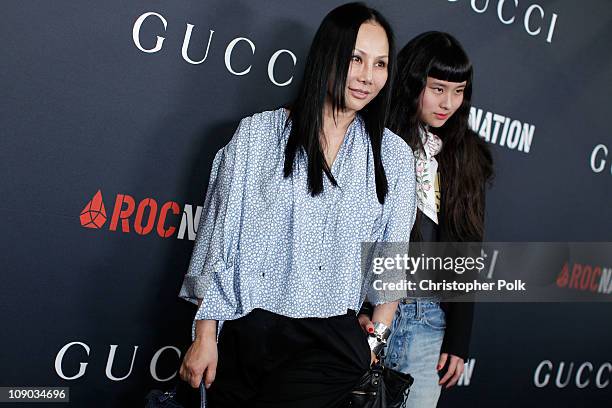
(94, 213)
(585, 277)
(143, 217)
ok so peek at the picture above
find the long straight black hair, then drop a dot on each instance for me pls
(326, 68)
(465, 160)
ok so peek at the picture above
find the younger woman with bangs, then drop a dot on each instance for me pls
(429, 109)
(290, 199)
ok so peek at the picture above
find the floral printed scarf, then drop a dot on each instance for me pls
(426, 169)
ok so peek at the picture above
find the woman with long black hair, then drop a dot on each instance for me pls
(429, 109)
(290, 199)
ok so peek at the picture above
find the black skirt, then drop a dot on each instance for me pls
(269, 360)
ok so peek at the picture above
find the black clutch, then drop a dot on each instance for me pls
(381, 387)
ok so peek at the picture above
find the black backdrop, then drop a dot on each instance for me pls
(87, 106)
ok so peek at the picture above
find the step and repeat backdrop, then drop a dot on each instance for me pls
(111, 113)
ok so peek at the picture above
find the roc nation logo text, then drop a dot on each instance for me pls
(501, 130)
(143, 217)
(584, 277)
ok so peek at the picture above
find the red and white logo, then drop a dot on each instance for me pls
(143, 217)
(585, 277)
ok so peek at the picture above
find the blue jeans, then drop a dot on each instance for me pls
(414, 348)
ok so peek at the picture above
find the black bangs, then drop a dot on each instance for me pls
(451, 63)
(451, 70)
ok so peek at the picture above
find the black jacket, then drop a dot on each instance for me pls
(459, 315)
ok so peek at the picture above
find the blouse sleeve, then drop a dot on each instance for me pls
(400, 213)
(210, 275)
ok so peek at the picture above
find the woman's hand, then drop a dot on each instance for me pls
(200, 360)
(368, 327)
(454, 371)
(366, 323)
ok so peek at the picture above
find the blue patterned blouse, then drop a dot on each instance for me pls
(264, 242)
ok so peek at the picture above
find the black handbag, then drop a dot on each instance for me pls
(381, 387)
(182, 395)
(162, 399)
